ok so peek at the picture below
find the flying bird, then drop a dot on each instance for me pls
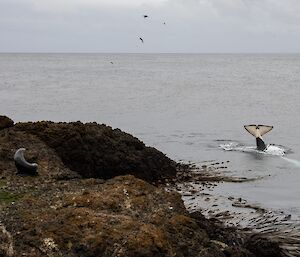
(145, 16)
(142, 40)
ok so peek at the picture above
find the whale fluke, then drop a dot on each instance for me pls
(22, 165)
(258, 131)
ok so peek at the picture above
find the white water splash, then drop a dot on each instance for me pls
(275, 150)
(271, 149)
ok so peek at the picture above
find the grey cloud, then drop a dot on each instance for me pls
(191, 26)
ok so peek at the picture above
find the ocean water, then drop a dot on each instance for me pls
(190, 106)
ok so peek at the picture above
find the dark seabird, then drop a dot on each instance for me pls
(142, 40)
(145, 16)
(111, 62)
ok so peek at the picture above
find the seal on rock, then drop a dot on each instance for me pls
(22, 165)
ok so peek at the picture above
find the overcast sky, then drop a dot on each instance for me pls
(202, 26)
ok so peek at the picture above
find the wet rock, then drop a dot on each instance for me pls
(263, 247)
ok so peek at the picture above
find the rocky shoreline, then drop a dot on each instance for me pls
(101, 192)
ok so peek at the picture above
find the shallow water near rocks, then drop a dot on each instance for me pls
(186, 105)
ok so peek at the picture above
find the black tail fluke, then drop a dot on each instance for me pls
(257, 131)
(260, 144)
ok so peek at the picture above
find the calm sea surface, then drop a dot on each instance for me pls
(186, 105)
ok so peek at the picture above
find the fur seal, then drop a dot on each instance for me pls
(22, 165)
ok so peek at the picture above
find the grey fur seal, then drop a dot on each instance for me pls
(22, 165)
(258, 131)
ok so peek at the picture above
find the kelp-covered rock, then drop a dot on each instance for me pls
(99, 151)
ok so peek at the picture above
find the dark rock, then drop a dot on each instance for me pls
(216, 230)
(99, 151)
(5, 122)
(263, 247)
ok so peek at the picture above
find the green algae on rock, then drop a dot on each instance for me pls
(7, 197)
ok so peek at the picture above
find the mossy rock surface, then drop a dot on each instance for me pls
(7, 197)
